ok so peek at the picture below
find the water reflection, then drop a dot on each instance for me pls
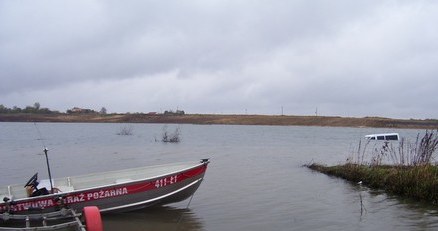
(155, 218)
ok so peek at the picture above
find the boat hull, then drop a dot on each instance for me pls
(132, 201)
(124, 196)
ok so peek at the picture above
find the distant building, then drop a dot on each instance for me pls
(77, 110)
(177, 112)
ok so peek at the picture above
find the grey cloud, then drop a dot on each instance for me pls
(255, 54)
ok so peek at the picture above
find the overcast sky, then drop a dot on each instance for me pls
(337, 57)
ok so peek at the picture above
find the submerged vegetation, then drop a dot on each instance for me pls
(126, 131)
(171, 137)
(407, 170)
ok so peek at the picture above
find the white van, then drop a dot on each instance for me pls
(384, 136)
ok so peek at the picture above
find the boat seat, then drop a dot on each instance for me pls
(62, 188)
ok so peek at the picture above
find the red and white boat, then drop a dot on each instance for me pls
(110, 191)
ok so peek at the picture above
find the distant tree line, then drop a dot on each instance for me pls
(77, 110)
(36, 109)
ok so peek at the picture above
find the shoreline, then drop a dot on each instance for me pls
(209, 119)
(415, 182)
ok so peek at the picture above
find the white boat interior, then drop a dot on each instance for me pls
(68, 184)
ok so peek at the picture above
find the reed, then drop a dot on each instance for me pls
(405, 152)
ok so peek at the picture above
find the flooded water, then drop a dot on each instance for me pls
(255, 180)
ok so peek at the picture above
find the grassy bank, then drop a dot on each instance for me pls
(411, 174)
(289, 120)
(416, 182)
